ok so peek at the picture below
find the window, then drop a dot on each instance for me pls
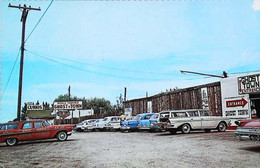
(46, 123)
(231, 113)
(138, 117)
(193, 113)
(37, 124)
(155, 116)
(180, 114)
(27, 126)
(147, 117)
(9, 126)
(204, 113)
(242, 112)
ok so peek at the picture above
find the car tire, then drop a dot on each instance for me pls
(62, 136)
(222, 127)
(11, 141)
(207, 130)
(185, 128)
(173, 131)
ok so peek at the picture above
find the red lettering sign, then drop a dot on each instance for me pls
(236, 103)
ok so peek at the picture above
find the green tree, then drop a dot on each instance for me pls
(118, 107)
(99, 105)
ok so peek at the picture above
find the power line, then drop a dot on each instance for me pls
(38, 22)
(10, 74)
(95, 72)
(112, 68)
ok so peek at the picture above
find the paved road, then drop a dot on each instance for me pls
(137, 149)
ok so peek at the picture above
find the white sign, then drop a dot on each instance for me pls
(249, 84)
(34, 107)
(68, 105)
(204, 96)
(128, 113)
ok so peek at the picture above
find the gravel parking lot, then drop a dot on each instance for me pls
(136, 149)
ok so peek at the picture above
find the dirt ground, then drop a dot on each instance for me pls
(136, 149)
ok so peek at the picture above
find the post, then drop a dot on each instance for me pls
(20, 86)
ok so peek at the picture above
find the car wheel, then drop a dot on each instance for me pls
(173, 131)
(11, 141)
(222, 127)
(62, 136)
(185, 128)
(207, 130)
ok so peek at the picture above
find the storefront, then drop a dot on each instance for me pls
(241, 96)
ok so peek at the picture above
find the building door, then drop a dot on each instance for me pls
(255, 103)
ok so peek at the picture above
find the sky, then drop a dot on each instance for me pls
(100, 47)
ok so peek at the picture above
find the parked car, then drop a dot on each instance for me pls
(144, 123)
(78, 127)
(103, 123)
(154, 119)
(193, 119)
(249, 129)
(113, 124)
(133, 123)
(13, 132)
(88, 125)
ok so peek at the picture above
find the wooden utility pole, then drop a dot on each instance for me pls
(25, 11)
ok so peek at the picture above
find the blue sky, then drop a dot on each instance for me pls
(98, 48)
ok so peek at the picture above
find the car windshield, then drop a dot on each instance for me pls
(155, 116)
(164, 115)
(105, 119)
(138, 117)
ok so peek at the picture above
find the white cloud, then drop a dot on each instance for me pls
(256, 5)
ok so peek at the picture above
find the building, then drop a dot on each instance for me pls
(235, 97)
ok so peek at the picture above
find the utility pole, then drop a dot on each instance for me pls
(23, 20)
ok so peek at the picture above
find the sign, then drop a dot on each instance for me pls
(204, 96)
(128, 113)
(236, 103)
(34, 107)
(68, 105)
(249, 84)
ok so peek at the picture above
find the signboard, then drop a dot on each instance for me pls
(249, 84)
(68, 105)
(34, 107)
(205, 100)
(128, 113)
(236, 103)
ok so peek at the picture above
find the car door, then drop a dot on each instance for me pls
(26, 132)
(195, 119)
(206, 120)
(40, 131)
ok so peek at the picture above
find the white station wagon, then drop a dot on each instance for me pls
(193, 119)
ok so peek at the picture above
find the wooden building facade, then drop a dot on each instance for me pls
(206, 96)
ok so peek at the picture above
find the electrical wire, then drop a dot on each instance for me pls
(38, 21)
(95, 72)
(10, 74)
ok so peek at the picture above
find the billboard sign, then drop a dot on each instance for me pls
(68, 105)
(249, 84)
(34, 107)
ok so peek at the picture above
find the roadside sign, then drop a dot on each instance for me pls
(236, 103)
(68, 105)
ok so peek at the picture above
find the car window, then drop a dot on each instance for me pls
(114, 119)
(165, 115)
(147, 117)
(27, 126)
(37, 124)
(204, 113)
(155, 116)
(46, 123)
(138, 117)
(193, 113)
(180, 114)
(9, 126)
(105, 119)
